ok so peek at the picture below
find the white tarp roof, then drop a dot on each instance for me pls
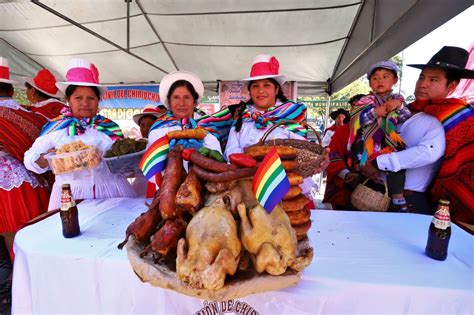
(141, 41)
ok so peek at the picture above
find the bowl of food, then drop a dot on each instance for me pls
(73, 157)
(125, 155)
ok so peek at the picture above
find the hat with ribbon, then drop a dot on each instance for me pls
(150, 109)
(384, 64)
(5, 71)
(81, 72)
(266, 67)
(45, 82)
(449, 58)
(172, 77)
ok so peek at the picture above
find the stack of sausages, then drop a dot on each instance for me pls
(294, 203)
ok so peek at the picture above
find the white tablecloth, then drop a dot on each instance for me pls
(364, 263)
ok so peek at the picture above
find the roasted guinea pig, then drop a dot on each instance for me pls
(269, 238)
(165, 240)
(190, 195)
(211, 248)
(145, 225)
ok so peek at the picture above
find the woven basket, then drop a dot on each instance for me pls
(309, 154)
(367, 199)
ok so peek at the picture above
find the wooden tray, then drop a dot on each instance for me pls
(242, 284)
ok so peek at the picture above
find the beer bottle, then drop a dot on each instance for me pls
(69, 214)
(439, 232)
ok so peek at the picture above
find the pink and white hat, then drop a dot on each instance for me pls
(266, 67)
(150, 109)
(45, 82)
(81, 72)
(5, 71)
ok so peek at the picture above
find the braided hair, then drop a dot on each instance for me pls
(243, 105)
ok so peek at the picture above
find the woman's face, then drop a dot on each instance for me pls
(182, 103)
(83, 102)
(145, 125)
(263, 93)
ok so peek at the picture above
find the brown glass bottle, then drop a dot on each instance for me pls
(439, 232)
(69, 213)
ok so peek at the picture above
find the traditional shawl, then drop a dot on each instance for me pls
(455, 180)
(18, 130)
(76, 126)
(276, 114)
(377, 138)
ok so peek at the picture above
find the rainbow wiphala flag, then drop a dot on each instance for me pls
(270, 183)
(154, 159)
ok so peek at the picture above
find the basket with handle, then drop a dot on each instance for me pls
(310, 154)
(368, 199)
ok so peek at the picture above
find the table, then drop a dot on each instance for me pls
(364, 262)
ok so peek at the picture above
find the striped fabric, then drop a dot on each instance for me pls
(276, 114)
(367, 142)
(76, 126)
(155, 157)
(455, 180)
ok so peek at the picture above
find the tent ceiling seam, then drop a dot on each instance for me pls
(257, 11)
(257, 46)
(157, 34)
(67, 25)
(349, 36)
(80, 26)
(23, 53)
(382, 35)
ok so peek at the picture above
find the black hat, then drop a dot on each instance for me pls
(336, 113)
(452, 59)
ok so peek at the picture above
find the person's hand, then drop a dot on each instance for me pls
(324, 163)
(392, 105)
(381, 110)
(352, 179)
(371, 172)
(41, 161)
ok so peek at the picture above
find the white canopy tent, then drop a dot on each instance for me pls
(324, 45)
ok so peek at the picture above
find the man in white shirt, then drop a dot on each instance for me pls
(423, 134)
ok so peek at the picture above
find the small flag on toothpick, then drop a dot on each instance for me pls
(270, 183)
(155, 157)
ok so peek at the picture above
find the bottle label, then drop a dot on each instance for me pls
(66, 201)
(441, 219)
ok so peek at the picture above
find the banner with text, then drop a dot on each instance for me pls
(121, 102)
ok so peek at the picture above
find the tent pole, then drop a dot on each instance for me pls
(128, 24)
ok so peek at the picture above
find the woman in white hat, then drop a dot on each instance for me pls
(181, 92)
(80, 122)
(44, 95)
(23, 196)
(267, 106)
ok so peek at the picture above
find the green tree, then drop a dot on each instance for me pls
(20, 96)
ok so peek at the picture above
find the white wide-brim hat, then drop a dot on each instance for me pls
(172, 77)
(266, 67)
(45, 82)
(81, 72)
(149, 109)
(5, 72)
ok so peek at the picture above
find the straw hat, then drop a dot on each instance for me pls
(150, 109)
(45, 82)
(81, 72)
(5, 71)
(172, 77)
(266, 67)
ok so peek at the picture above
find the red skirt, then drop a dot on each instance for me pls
(20, 205)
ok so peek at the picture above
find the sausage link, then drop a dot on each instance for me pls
(224, 176)
(210, 164)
